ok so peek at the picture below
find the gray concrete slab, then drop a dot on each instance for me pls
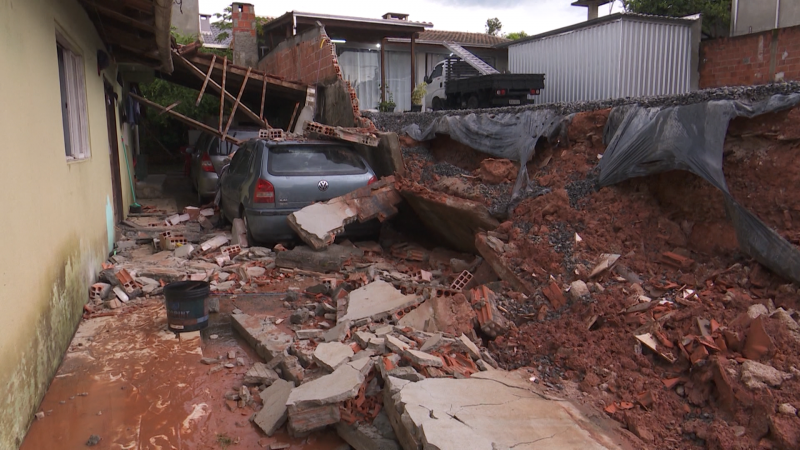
(273, 415)
(331, 355)
(487, 411)
(376, 301)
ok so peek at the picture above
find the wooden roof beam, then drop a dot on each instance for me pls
(103, 10)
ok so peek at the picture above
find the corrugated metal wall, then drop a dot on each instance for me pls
(622, 58)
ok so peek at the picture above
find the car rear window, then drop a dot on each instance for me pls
(228, 148)
(314, 160)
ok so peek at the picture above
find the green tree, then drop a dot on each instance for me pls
(516, 35)
(493, 26)
(164, 131)
(716, 13)
(225, 23)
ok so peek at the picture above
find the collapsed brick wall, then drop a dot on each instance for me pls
(751, 59)
(311, 59)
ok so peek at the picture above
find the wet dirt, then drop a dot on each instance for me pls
(587, 350)
(137, 386)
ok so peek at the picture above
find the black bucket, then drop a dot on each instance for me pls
(186, 305)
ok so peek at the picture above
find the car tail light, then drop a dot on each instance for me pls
(501, 92)
(264, 193)
(534, 92)
(205, 163)
(372, 180)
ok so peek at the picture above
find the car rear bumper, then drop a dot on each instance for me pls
(273, 225)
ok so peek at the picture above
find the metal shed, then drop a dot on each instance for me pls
(619, 55)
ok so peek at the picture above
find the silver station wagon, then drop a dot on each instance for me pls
(267, 180)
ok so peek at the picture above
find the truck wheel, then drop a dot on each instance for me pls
(472, 103)
(436, 104)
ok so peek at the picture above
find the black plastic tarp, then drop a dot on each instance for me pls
(647, 141)
(508, 135)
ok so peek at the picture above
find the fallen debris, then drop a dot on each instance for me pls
(274, 412)
(319, 223)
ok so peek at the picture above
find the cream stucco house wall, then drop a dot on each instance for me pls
(57, 214)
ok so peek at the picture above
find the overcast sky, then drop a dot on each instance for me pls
(531, 16)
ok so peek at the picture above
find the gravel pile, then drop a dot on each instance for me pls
(442, 169)
(579, 189)
(397, 121)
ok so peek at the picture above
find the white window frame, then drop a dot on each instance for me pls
(72, 75)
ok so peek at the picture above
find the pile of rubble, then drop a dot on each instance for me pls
(376, 352)
(158, 249)
(636, 298)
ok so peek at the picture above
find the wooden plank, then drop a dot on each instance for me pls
(205, 82)
(183, 118)
(263, 96)
(222, 91)
(169, 108)
(256, 75)
(292, 119)
(236, 104)
(103, 10)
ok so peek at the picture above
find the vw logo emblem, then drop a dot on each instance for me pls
(323, 185)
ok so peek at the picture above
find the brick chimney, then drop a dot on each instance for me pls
(244, 44)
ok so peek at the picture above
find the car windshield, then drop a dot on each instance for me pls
(228, 148)
(314, 160)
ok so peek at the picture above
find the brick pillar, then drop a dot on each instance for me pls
(245, 45)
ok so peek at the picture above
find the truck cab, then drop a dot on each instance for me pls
(435, 96)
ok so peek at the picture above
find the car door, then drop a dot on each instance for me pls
(233, 181)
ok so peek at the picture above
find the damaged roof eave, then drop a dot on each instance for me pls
(134, 31)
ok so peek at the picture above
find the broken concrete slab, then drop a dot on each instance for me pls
(455, 219)
(406, 373)
(395, 345)
(759, 376)
(319, 223)
(331, 355)
(421, 318)
(472, 349)
(490, 410)
(267, 340)
(274, 413)
(423, 359)
(363, 338)
(260, 374)
(335, 387)
(309, 334)
(376, 301)
(305, 258)
(183, 251)
(338, 332)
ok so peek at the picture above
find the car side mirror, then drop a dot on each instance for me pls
(428, 79)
